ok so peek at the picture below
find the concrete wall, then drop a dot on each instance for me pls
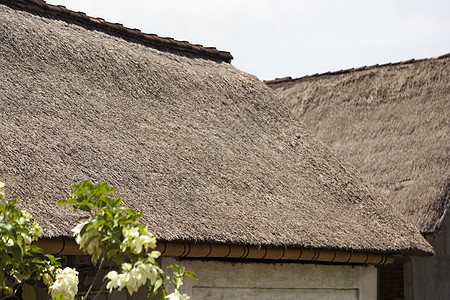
(244, 280)
(429, 277)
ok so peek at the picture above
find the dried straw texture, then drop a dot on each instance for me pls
(392, 123)
(205, 151)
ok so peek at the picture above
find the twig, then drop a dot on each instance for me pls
(96, 275)
(98, 293)
(13, 295)
(10, 297)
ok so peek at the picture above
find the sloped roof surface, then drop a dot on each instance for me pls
(392, 122)
(204, 150)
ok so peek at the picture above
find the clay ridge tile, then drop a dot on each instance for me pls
(411, 61)
(59, 11)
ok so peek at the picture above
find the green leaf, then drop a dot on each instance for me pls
(116, 202)
(28, 292)
(119, 260)
(16, 252)
(53, 260)
(174, 267)
(83, 206)
(59, 297)
(111, 253)
(7, 228)
(127, 210)
(94, 223)
(116, 236)
(153, 290)
(21, 274)
(37, 261)
(162, 294)
(66, 201)
(190, 274)
(36, 249)
(158, 284)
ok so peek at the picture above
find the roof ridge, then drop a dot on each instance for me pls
(116, 28)
(344, 71)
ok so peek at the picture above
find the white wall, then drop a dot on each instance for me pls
(239, 280)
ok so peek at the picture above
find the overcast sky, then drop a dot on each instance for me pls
(278, 38)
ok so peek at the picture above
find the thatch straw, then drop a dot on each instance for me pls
(205, 151)
(392, 123)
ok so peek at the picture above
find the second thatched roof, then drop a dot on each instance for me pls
(392, 122)
(205, 151)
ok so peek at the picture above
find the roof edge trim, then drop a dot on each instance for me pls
(406, 62)
(68, 246)
(63, 13)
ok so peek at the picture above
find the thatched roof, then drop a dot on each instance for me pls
(204, 150)
(392, 122)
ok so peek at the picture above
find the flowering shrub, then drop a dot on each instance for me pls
(18, 262)
(113, 233)
(108, 232)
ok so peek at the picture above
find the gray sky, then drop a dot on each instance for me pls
(278, 38)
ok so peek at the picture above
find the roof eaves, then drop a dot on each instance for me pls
(67, 246)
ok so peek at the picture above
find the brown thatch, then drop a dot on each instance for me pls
(391, 122)
(204, 150)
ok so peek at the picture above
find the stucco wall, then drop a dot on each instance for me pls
(239, 280)
(429, 277)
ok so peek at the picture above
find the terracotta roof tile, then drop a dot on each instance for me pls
(59, 11)
(287, 79)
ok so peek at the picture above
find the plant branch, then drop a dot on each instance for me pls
(97, 274)
(10, 297)
(13, 295)
(98, 293)
(103, 286)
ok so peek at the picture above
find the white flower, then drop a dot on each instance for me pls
(126, 267)
(131, 232)
(149, 272)
(152, 256)
(132, 236)
(26, 238)
(116, 281)
(177, 296)
(148, 241)
(132, 277)
(77, 229)
(89, 241)
(135, 279)
(48, 280)
(137, 240)
(36, 230)
(66, 283)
